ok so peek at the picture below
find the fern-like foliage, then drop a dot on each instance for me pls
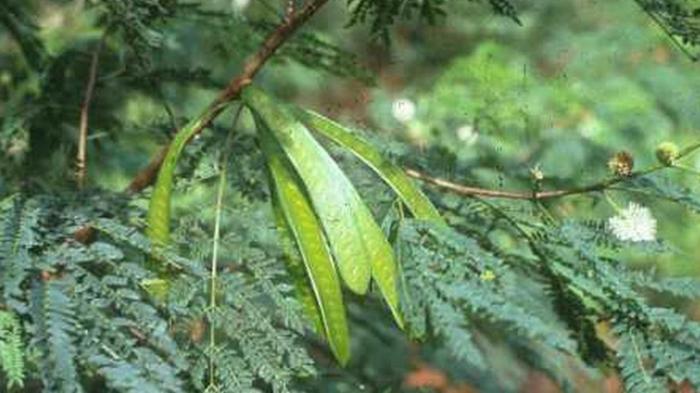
(679, 19)
(94, 324)
(55, 315)
(648, 336)
(312, 51)
(11, 350)
(661, 187)
(505, 8)
(18, 21)
(454, 286)
(259, 345)
(382, 14)
(20, 232)
(140, 22)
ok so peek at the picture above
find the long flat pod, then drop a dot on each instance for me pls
(360, 248)
(158, 218)
(308, 235)
(296, 268)
(333, 197)
(419, 205)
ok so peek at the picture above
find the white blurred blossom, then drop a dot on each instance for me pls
(590, 127)
(635, 223)
(403, 110)
(467, 134)
(240, 5)
(17, 147)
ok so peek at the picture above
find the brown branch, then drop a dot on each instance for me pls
(539, 195)
(147, 175)
(81, 161)
(232, 91)
(251, 67)
(534, 195)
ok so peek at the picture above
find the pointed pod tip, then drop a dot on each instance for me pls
(342, 358)
(340, 350)
(356, 274)
(396, 313)
(399, 321)
(357, 282)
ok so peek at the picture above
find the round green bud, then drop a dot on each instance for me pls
(667, 152)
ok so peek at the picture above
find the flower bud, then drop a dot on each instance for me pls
(487, 275)
(666, 153)
(621, 164)
(536, 173)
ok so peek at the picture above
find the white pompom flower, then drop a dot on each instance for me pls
(635, 223)
(403, 110)
(467, 134)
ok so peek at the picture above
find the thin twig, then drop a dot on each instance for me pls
(226, 155)
(168, 109)
(640, 361)
(539, 195)
(250, 68)
(81, 161)
(213, 275)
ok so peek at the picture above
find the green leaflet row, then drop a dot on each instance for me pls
(302, 224)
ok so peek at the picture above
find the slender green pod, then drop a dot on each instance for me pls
(159, 208)
(296, 268)
(308, 235)
(158, 218)
(361, 251)
(334, 199)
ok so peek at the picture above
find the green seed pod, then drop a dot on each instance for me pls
(667, 152)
